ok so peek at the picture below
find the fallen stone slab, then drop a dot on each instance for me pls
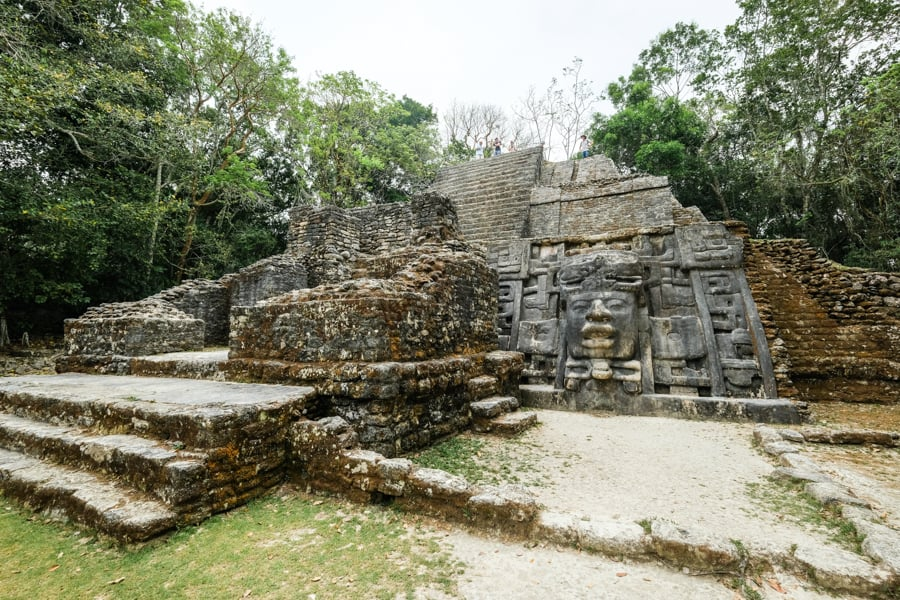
(800, 474)
(763, 434)
(795, 460)
(832, 493)
(879, 541)
(851, 436)
(792, 435)
(841, 571)
(779, 448)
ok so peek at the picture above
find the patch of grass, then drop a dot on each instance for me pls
(745, 588)
(457, 455)
(490, 460)
(788, 499)
(286, 546)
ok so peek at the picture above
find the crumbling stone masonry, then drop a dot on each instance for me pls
(383, 310)
(567, 285)
(834, 331)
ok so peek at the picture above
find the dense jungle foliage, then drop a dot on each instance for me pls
(144, 142)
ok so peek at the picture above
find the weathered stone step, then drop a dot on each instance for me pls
(512, 423)
(483, 386)
(82, 497)
(493, 406)
(171, 476)
(199, 414)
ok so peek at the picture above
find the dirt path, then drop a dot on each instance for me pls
(704, 476)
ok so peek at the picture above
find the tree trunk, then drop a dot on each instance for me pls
(4, 333)
(151, 250)
(717, 191)
(188, 242)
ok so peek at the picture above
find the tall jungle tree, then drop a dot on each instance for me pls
(362, 144)
(83, 86)
(802, 64)
(239, 91)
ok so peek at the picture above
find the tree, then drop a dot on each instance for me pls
(239, 90)
(562, 111)
(121, 123)
(870, 156)
(685, 61)
(660, 136)
(361, 144)
(804, 62)
(467, 125)
(82, 86)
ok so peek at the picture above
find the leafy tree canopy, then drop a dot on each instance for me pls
(362, 144)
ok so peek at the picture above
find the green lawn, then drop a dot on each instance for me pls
(287, 545)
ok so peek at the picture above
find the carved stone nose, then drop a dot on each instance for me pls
(598, 312)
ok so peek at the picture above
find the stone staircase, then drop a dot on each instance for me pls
(492, 195)
(496, 413)
(134, 457)
(818, 356)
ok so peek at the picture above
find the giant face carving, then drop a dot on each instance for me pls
(601, 324)
(601, 292)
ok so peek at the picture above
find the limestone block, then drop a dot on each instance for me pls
(779, 448)
(613, 538)
(538, 337)
(763, 434)
(434, 484)
(393, 473)
(879, 541)
(832, 493)
(558, 528)
(842, 571)
(510, 503)
(802, 475)
(690, 549)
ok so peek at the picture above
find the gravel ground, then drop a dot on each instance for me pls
(698, 474)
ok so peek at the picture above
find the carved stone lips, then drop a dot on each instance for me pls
(597, 335)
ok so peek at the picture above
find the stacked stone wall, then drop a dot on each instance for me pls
(263, 279)
(440, 303)
(851, 295)
(326, 459)
(384, 227)
(150, 326)
(835, 332)
(596, 209)
(205, 300)
(394, 407)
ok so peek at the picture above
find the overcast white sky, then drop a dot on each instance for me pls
(485, 51)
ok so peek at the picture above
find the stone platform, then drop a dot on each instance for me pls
(758, 410)
(133, 456)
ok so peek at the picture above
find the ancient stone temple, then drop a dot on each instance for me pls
(617, 296)
(385, 328)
